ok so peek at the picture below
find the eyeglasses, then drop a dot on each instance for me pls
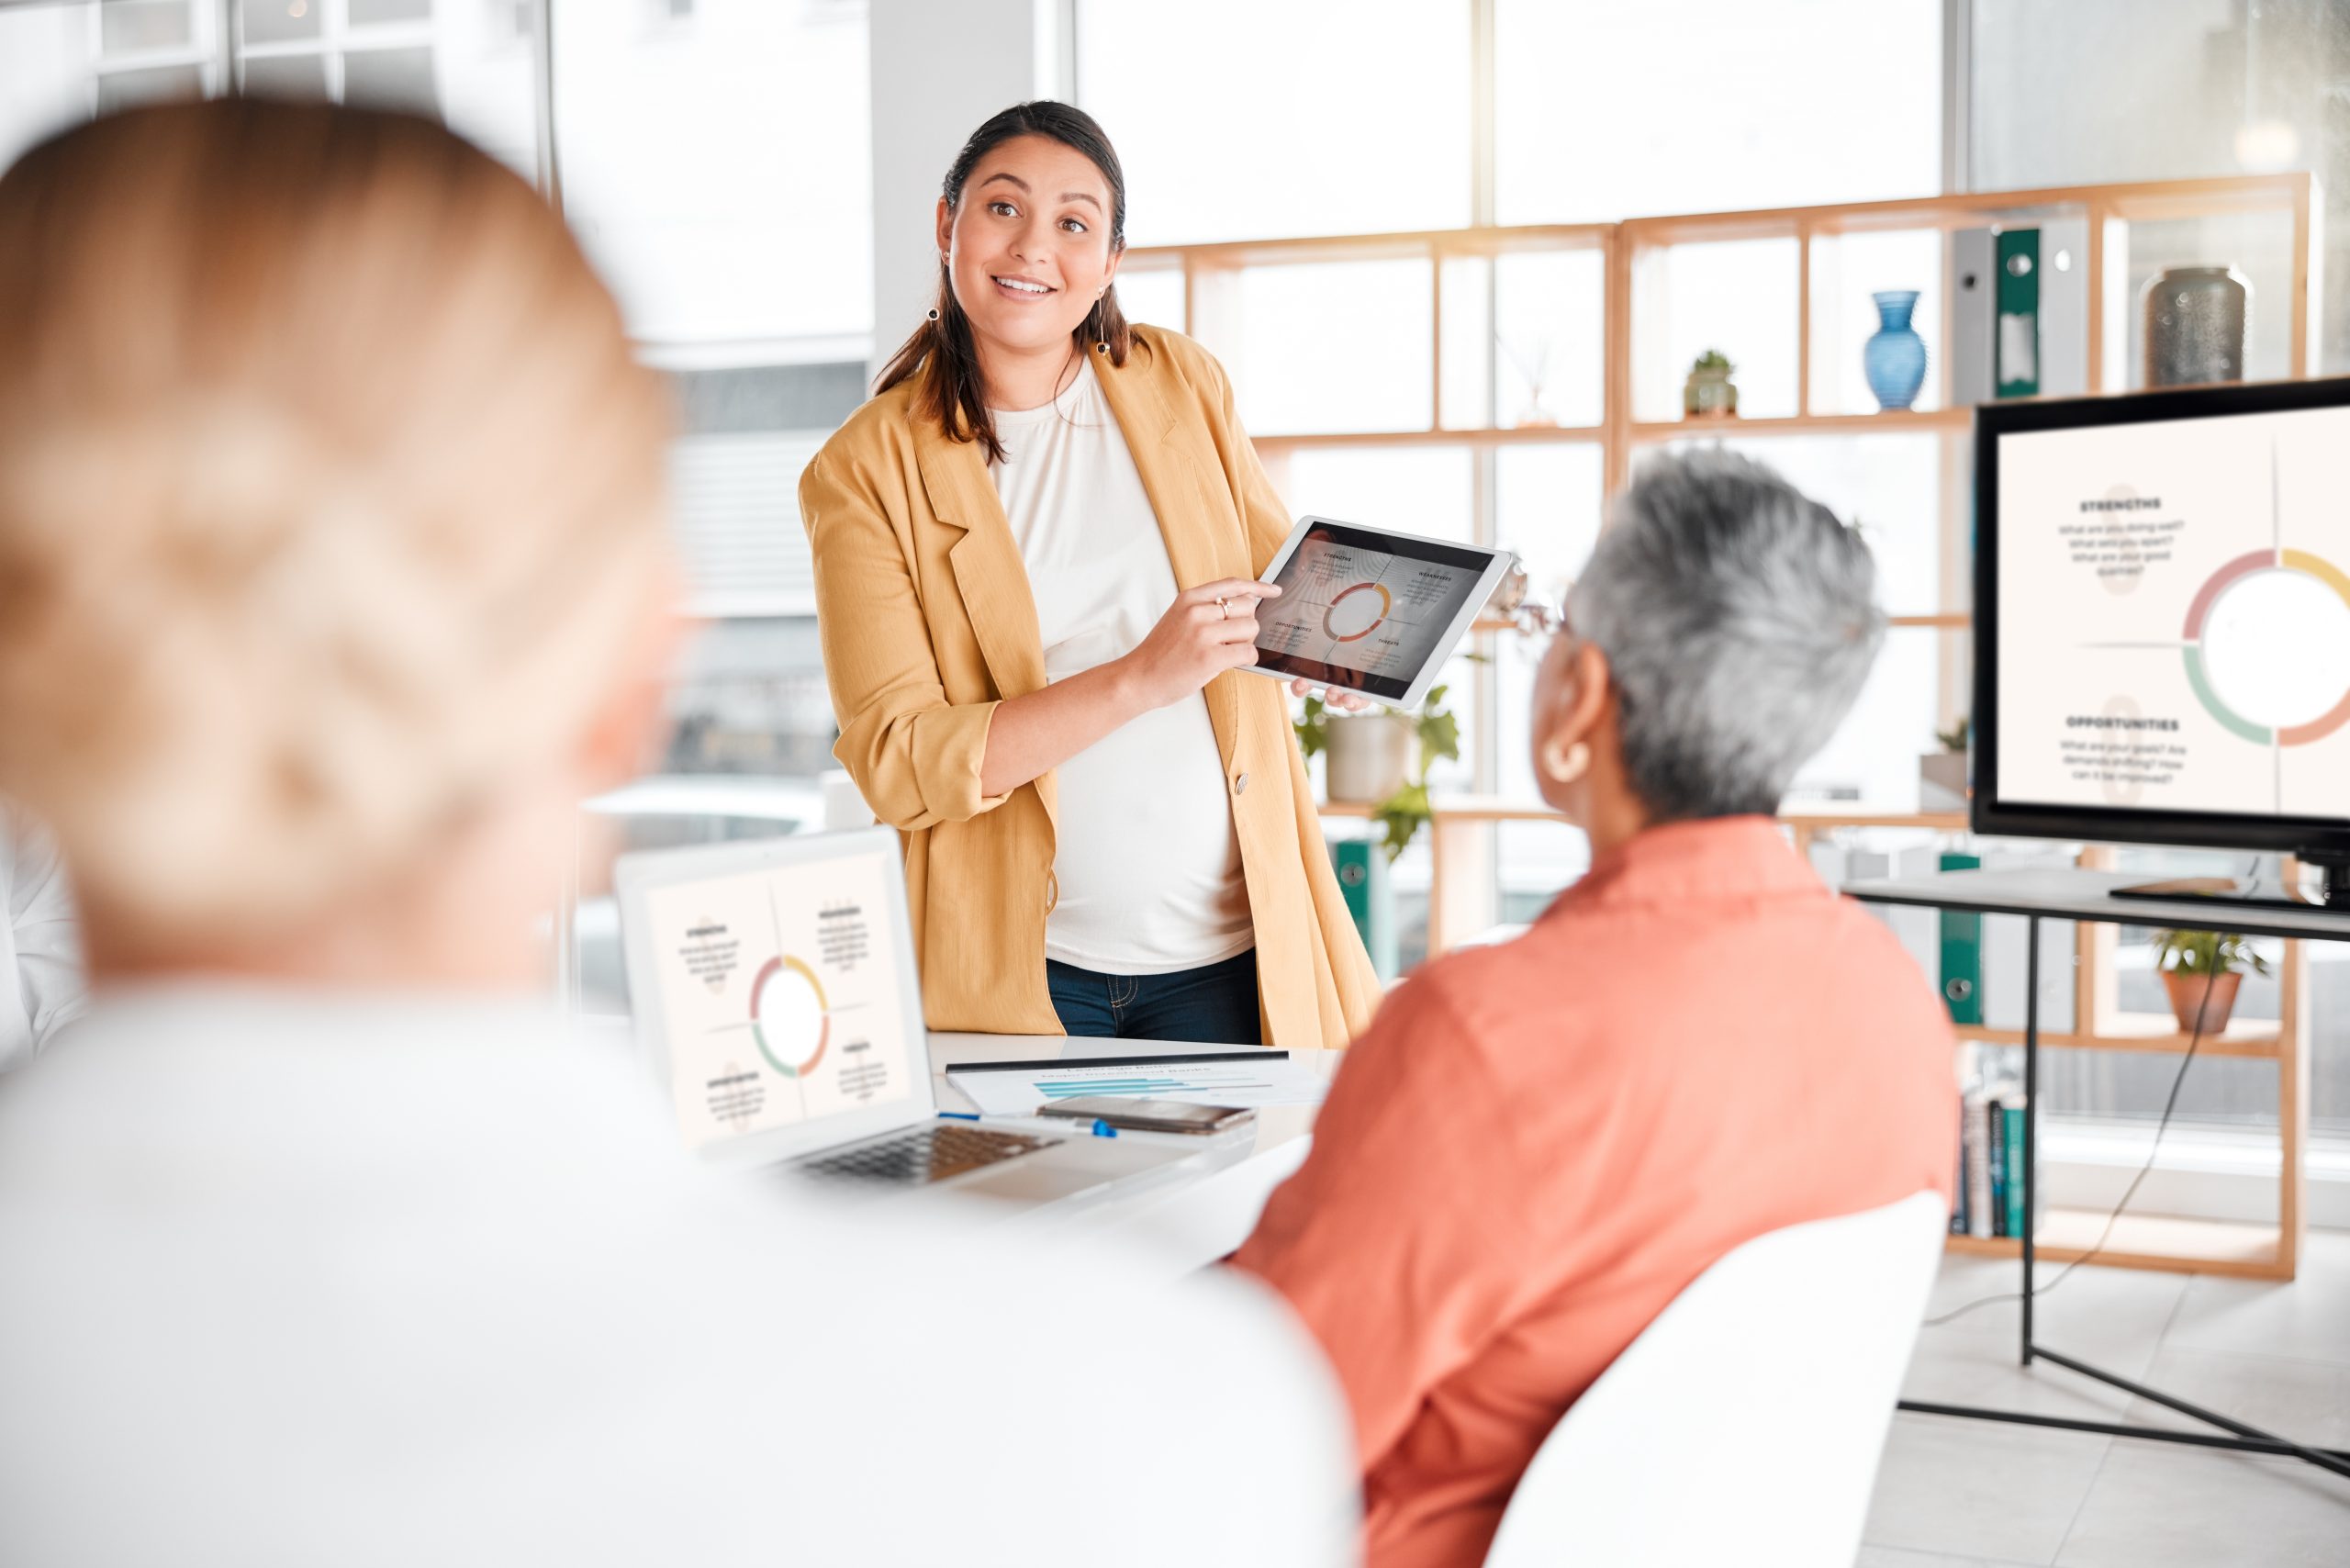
(1538, 617)
(1531, 617)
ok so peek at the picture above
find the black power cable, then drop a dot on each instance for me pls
(2194, 1041)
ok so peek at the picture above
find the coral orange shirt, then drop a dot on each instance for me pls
(1537, 1145)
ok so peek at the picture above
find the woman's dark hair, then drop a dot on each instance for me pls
(941, 350)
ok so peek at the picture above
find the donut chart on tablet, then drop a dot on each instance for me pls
(1351, 623)
(1371, 610)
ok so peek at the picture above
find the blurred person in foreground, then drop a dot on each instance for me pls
(1537, 1145)
(332, 573)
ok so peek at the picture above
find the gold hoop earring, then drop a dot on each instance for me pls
(1565, 765)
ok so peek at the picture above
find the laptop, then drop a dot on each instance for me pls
(775, 991)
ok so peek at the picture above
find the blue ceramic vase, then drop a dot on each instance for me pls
(1896, 355)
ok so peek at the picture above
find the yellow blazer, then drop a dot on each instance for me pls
(927, 621)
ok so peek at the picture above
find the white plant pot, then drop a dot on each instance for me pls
(1370, 756)
(1941, 781)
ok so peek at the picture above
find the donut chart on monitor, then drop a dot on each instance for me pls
(2236, 620)
(790, 1020)
(1351, 622)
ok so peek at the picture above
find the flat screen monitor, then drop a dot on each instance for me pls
(2163, 618)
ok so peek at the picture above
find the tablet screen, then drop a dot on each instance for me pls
(1364, 610)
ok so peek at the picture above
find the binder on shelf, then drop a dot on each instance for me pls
(2017, 345)
(2012, 1111)
(1962, 953)
(1362, 866)
(1920, 929)
(1974, 314)
(2064, 274)
(1994, 1140)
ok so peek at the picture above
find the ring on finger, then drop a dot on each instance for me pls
(1223, 609)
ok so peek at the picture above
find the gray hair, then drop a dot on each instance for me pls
(1740, 620)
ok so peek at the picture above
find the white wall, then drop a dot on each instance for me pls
(941, 67)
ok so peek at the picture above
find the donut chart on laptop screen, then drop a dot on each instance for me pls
(779, 994)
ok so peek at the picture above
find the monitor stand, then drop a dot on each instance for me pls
(2333, 891)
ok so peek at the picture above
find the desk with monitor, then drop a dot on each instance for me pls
(2162, 655)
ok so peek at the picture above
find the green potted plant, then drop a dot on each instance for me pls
(2202, 969)
(1710, 394)
(1399, 795)
(1368, 756)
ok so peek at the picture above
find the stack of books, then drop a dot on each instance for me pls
(1990, 1162)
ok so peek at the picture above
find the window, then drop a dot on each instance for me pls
(717, 162)
(61, 62)
(1605, 111)
(1293, 375)
(2103, 90)
(1268, 118)
(467, 64)
(750, 696)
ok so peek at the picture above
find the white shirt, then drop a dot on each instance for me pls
(1147, 863)
(40, 954)
(292, 1281)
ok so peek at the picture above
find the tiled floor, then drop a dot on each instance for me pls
(1957, 1493)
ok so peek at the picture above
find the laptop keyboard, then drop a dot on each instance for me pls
(924, 1154)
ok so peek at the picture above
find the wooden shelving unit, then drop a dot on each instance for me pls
(1634, 374)
(1630, 254)
(2161, 1242)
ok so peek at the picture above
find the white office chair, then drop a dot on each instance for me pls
(1743, 1425)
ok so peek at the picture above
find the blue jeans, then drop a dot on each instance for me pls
(1215, 1004)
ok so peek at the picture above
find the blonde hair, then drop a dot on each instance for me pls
(330, 494)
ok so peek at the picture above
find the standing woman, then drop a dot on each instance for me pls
(1035, 554)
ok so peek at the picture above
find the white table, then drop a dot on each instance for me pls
(1208, 1203)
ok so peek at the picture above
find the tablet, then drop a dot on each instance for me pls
(1370, 610)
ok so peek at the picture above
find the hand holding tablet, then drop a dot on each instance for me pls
(1370, 610)
(1208, 630)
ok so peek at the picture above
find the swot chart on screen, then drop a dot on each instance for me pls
(781, 989)
(2173, 615)
(1351, 607)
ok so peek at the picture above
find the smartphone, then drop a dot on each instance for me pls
(1150, 1115)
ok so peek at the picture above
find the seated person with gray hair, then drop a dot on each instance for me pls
(1540, 1144)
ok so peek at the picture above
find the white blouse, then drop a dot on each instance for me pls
(1147, 863)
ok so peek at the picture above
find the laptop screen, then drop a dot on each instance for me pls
(780, 991)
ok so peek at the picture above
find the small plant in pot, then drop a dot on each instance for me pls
(1710, 394)
(2202, 970)
(1942, 776)
(1370, 759)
